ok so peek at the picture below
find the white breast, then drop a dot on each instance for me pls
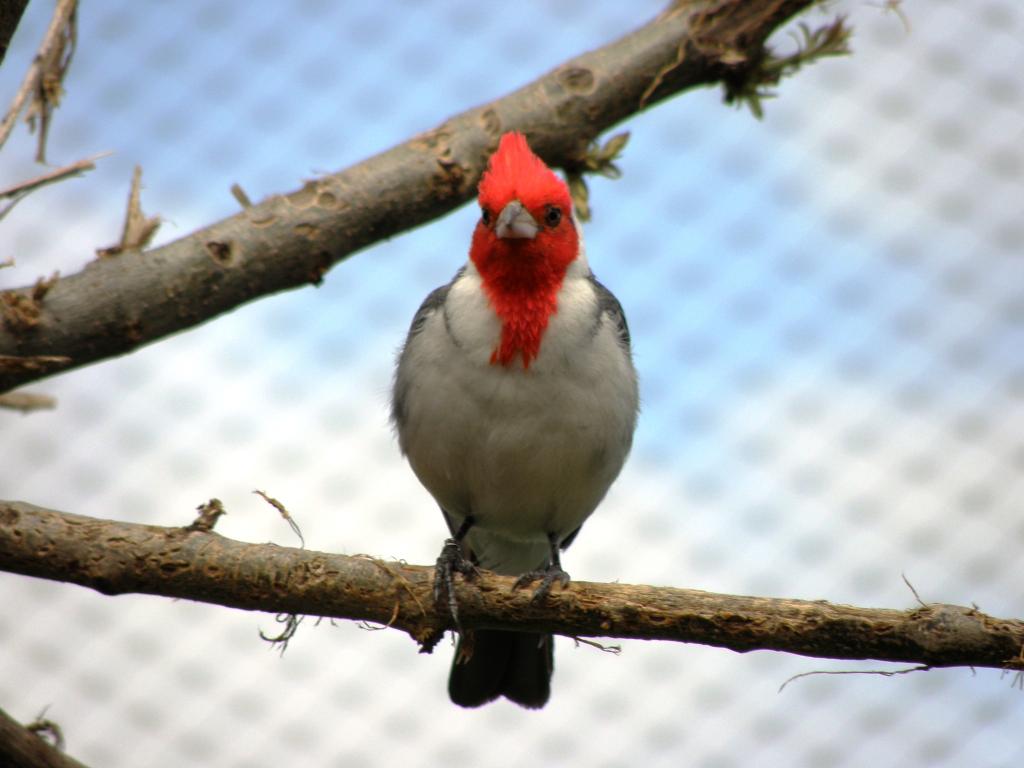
(526, 452)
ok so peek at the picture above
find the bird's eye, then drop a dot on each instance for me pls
(552, 215)
(485, 216)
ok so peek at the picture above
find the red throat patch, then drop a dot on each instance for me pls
(522, 276)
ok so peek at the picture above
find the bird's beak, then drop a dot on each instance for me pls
(515, 221)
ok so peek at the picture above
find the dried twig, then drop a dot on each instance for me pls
(27, 402)
(43, 84)
(879, 672)
(765, 72)
(615, 650)
(138, 230)
(14, 194)
(283, 510)
(21, 312)
(239, 194)
(26, 745)
(209, 514)
(41, 727)
(910, 586)
(598, 159)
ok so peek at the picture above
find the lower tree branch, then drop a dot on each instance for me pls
(115, 305)
(23, 747)
(197, 564)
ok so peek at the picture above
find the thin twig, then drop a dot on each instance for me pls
(283, 510)
(42, 726)
(881, 672)
(239, 194)
(27, 746)
(615, 650)
(27, 402)
(43, 81)
(910, 586)
(18, 192)
(138, 229)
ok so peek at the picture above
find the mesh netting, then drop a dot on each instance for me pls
(828, 316)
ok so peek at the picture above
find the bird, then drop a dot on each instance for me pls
(515, 400)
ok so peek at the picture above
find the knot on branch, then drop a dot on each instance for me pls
(939, 628)
(452, 180)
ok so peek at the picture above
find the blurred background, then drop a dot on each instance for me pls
(828, 315)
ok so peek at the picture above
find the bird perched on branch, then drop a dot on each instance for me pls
(515, 401)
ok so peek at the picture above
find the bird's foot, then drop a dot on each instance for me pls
(449, 562)
(547, 577)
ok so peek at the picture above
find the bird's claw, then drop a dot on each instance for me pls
(449, 562)
(547, 578)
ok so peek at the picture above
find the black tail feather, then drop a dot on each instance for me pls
(492, 663)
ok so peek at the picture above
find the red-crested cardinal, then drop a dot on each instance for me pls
(515, 401)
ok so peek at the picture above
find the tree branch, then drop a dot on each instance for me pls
(44, 82)
(198, 564)
(10, 16)
(23, 747)
(115, 305)
(17, 192)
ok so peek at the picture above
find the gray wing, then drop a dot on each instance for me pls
(608, 305)
(435, 300)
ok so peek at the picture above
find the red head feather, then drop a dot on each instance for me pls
(522, 276)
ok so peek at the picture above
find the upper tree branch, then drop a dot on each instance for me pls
(115, 305)
(197, 564)
(10, 16)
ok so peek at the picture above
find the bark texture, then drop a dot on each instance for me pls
(197, 564)
(20, 747)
